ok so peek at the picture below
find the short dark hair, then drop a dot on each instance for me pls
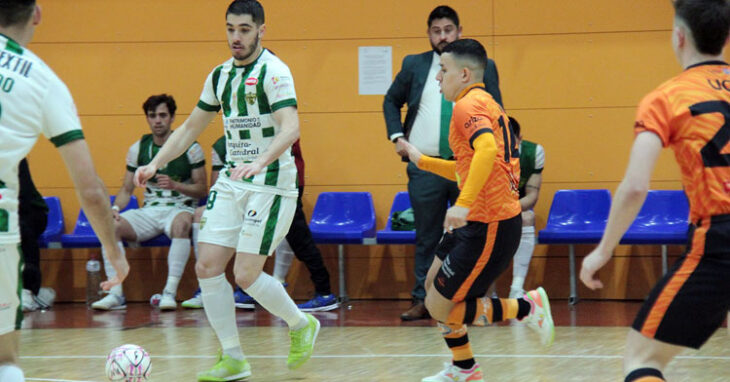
(469, 49)
(514, 125)
(156, 100)
(709, 21)
(247, 7)
(13, 12)
(443, 12)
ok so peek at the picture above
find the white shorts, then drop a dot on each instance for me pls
(10, 267)
(149, 222)
(247, 219)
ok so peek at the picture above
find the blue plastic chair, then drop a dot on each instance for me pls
(51, 237)
(662, 220)
(83, 235)
(387, 236)
(343, 218)
(576, 217)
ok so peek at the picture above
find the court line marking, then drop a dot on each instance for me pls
(349, 356)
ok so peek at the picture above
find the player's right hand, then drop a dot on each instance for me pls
(116, 215)
(143, 174)
(119, 262)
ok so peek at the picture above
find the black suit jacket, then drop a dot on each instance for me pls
(408, 87)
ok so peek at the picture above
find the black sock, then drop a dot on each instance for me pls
(465, 364)
(523, 308)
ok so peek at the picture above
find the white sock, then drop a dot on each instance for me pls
(284, 256)
(270, 294)
(220, 309)
(111, 272)
(196, 230)
(11, 373)
(522, 257)
(177, 257)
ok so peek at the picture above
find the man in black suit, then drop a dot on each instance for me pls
(426, 126)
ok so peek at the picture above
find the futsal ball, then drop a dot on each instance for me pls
(155, 300)
(128, 363)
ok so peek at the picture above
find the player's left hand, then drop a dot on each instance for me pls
(591, 264)
(455, 218)
(164, 182)
(246, 170)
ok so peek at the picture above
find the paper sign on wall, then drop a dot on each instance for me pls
(375, 67)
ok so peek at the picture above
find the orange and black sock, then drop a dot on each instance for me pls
(484, 311)
(457, 340)
(645, 375)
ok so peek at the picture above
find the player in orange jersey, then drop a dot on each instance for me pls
(483, 227)
(690, 113)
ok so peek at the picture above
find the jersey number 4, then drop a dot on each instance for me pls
(711, 153)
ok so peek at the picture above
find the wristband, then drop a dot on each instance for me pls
(115, 208)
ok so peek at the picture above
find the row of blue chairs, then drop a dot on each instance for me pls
(575, 217)
(580, 217)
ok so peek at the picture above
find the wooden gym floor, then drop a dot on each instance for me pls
(363, 341)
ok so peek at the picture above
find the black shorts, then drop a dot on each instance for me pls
(691, 301)
(474, 256)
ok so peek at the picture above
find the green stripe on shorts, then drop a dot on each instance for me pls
(270, 226)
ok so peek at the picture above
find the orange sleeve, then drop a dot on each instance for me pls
(485, 152)
(653, 115)
(441, 167)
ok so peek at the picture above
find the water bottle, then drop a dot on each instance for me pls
(93, 279)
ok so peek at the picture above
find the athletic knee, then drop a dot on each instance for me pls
(206, 269)
(181, 228)
(246, 278)
(435, 309)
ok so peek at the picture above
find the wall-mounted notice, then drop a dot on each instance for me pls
(375, 64)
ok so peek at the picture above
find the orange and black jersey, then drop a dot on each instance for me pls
(476, 113)
(691, 113)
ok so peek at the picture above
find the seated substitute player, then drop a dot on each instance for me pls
(483, 227)
(299, 234)
(251, 205)
(691, 114)
(169, 201)
(532, 162)
(36, 102)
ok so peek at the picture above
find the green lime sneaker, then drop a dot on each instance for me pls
(302, 343)
(226, 369)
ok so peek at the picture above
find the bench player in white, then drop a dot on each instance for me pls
(251, 205)
(34, 102)
(169, 200)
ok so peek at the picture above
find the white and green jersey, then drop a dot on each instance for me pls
(248, 95)
(218, 156)
(179, 169)
(33, 101)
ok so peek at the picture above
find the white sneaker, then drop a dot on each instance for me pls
(45, 298)
(452, 373)
(540, 318)
(110, 302)
(167, 302)
(28, 301)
